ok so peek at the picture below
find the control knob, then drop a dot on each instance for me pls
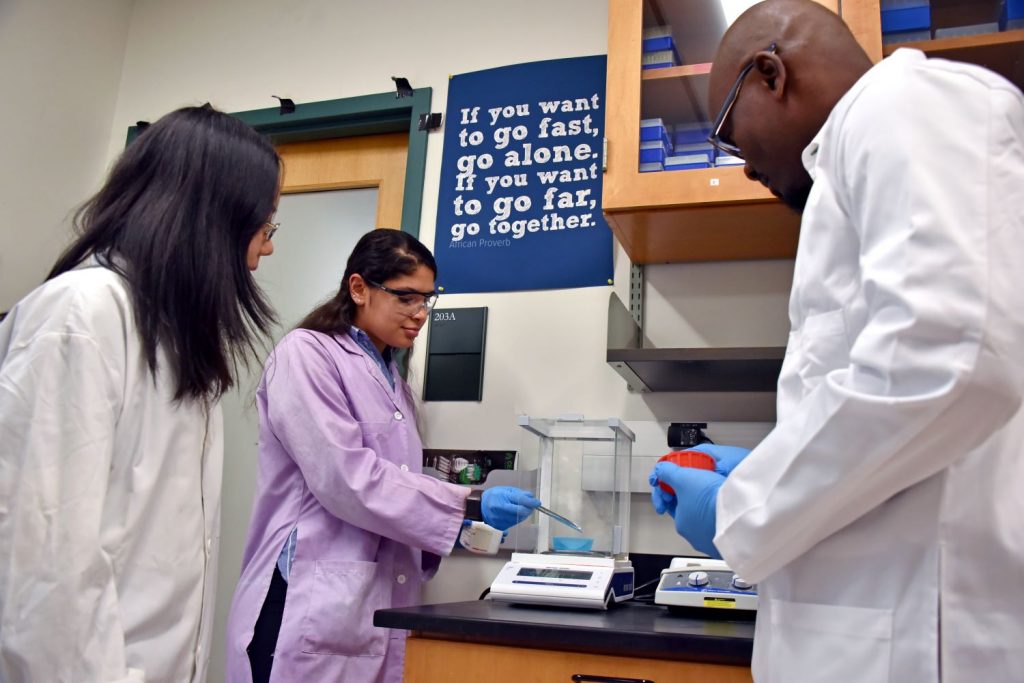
(697, 579)
(740, 584)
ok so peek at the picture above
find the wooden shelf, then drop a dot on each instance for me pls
(684, 234)
(676, 71)
(1001, 52)
(701, 369)
(679, 97)
(738, 219)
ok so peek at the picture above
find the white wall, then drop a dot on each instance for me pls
(60, 68)
(545, 349)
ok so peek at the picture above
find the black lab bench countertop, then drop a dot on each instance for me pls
(629, 629)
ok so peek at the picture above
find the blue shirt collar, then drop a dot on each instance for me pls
(383, 361)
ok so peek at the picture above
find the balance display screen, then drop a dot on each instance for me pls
(554, 573)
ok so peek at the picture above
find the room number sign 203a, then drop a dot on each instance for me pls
(442, 316)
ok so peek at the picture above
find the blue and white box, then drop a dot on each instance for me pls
(971, 30)
(658, 60)
(685, 162)
(654, 129)
(655, 150)
(695, 148)
(1014, 14)
(691, 133)
(651, 129)
(906, 36)
(657, 38)
(728, 160)
(651, 167)
(905, 15)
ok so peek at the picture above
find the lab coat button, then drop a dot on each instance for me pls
(398, 415)
(698, 579)
(401, 578)
(404, 468)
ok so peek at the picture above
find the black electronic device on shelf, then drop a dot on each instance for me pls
(687, 434)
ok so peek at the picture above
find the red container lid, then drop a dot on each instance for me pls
(694, 459)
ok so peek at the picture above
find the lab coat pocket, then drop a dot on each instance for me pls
(805, 637)
(391, 443)
(339, 620)
(372, 432)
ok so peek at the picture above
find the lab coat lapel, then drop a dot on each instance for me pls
(351, 346)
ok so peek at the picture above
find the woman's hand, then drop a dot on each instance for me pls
(505, 506)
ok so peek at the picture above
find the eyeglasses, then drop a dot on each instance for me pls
(410, 302)
(730, 100)
(270, 229)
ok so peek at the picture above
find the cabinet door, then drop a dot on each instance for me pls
(696, 214)
(429, 660)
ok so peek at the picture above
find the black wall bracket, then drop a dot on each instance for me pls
(402, 87)
(431, 121)
(287, 105)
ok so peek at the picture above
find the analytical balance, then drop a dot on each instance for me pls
(703, 582)
(569, 568)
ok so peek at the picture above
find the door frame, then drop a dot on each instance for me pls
(350, 116)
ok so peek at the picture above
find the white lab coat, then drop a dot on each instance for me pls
(884, 515)
(109, 497)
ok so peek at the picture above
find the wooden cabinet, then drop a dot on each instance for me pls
(717, 214)
(709, 214)
(1001, 52)
(433, 660)
(497, 642)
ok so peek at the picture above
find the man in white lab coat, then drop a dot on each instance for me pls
(883, 517)
(110, 426)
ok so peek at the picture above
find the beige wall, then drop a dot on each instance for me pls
(60, 67)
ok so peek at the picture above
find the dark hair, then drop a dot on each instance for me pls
(175, 219)
(379, 255)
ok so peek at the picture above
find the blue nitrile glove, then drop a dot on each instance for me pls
(726, 457)
(505, 506)
(693, 506)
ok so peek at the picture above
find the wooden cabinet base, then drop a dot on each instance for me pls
(430, 660)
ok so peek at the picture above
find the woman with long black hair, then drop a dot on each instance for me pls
(110, 427)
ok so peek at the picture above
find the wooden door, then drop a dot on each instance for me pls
(346, 163)
(359, 182)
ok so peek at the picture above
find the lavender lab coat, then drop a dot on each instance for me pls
(340, 460)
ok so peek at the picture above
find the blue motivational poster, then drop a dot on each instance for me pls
(519, 205)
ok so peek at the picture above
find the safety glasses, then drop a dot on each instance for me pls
(410, 302)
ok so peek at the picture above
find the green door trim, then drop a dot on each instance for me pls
(349, 116)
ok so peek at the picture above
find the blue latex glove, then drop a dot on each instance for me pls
(726, 457)
(693, 506)
(505, 506)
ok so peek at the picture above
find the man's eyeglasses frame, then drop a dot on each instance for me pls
(730, 100)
